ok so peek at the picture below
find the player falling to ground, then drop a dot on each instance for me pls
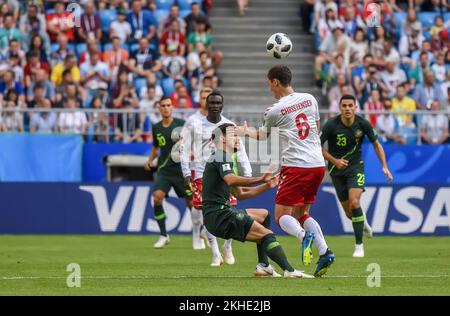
(188, 167)
(226, 221)
(296, 115)
(345, 134)
(202, 149)
(165, 137)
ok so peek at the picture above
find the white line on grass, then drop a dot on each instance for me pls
(176, 277)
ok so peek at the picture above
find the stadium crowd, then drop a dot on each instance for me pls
(103, 54)
(400, 65)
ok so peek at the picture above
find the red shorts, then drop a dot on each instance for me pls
(197, 200)
(299, 186)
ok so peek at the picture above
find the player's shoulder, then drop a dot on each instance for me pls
(226, 120)
(361, 120)
(157, 125)
(179, 122)
(332, 122)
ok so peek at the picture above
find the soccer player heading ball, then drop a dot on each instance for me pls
(303, 167)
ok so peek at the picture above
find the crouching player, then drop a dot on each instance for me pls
(223, 220)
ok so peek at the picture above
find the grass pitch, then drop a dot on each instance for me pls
(128, 265)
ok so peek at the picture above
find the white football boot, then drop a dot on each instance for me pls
(359, 251)
(368, 233)
(266, 271)
(198, 243)
(228, 255)
(216, 261)
(162, 241)
(297, 274)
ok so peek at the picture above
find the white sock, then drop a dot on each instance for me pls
(291, 226)
(196, 217)
(312, 226)
(214, 245)
(227, 243)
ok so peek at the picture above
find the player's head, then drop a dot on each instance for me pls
(165, 107)
(347, 105)
(225, 137)
(204, 93)
(214, 103)
(279, 78)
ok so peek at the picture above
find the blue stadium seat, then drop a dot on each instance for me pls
(184, 13)
(446, 16)
(168, 86)
(134, 47)
(400, 18)
(82, 47)
(54, 47)
(107, 46)
(164, 4)
(160, 15)
(427, 18)
(186, 4)
(107, 16)
(139, 83)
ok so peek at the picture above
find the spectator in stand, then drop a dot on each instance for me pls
(128, 129)
(181, 92)
(90, 24)
(351, 21)
(41, 79)
(371, 82)
(37, 44)
(37, 96)
(411, 22)
(120, 28)
(98, 124)
(328, 21)
(341, 88)
(434, 127)
(306, 8)
(143, 23)
(173, 37)
(242, 6)
(14, 49)
(12, 120)
(411, 42)
(143, 61)
(174, 65)
(14, 65)
(425, 48)
(45, 121)
(201, 35)
(377, 45)
(339, 67)
(335, 43)
(60, 54)
(4, 10)
(59, 22)
(390, 54)
(93, 74)
(70, 64)
(124, 92)
(115, 57)
(427, 92)
(446, 103)
(92, 47)
(373, 104)
(191, 18)
(438, 69)
(388, 127)
(358, 48)
(9, 82)
(33, 66)
(72, 91)
(9, 32)
(74, 122)
(147, 103)
(151, 81)
(174, 15)
(402, 103)
(392, 76)
(417, 73)
(33, 23)
(437, 27)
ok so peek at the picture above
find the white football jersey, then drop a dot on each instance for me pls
(203, 147)
(192, 121)
(295, 116)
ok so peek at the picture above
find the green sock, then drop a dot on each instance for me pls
(358, 224)
(276, 252)
(262, 255)
(161, 219)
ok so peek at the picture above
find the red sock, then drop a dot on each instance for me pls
(303, 219)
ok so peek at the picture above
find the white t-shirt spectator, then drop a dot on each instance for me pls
(44, 123)
(392, 80)
(387, 124)
(174, 64)
(434, 125)
(143, 94)
(72, 122)
(121, 29)
(12, 122)
(18, 71)
(439, 72)
(87, 68)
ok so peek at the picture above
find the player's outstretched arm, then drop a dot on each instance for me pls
(153, 154)
(251, 132)
(382, 157)
(242, 193)
(233, 180)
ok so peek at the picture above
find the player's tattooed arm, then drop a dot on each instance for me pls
(233, 180)
(242, 193)
(252, 132)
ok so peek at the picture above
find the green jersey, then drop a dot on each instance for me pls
(163, 139)
(344, 142)
(216, 192)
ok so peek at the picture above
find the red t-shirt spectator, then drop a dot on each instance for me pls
(41, 65)
(169, 38)
(174, 96)
(58, 21)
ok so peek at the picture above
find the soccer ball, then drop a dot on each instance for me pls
(279, 45)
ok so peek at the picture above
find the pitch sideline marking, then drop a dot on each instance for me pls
(143, 277)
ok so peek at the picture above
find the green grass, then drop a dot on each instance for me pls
(127, 265)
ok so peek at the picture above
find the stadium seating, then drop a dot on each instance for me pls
(164, 4)
(427, 18)
(186, 4)
(184, 13)
(107, 16)
(160, 15)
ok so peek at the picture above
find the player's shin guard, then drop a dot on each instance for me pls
(311, 225)
(291, 226)
(196, 217)
(276, 252)
(262, 255)
(358, 224)
(160, 217)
